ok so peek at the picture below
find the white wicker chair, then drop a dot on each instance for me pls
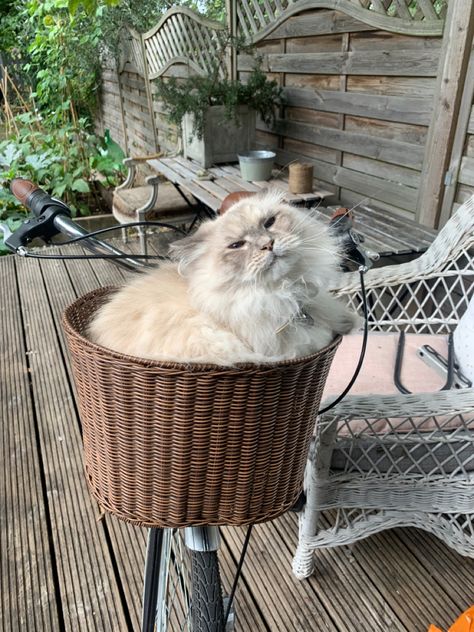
(420, 478)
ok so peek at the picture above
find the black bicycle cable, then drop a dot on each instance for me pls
(23, 252)
(100, 231)
(35, 255)
(362, 350)
(237, 574)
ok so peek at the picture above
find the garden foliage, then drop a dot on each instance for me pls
(48, 95)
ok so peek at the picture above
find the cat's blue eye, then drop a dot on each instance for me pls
(269, 222)
(236, 244)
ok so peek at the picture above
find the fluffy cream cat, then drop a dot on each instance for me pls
(246, 287)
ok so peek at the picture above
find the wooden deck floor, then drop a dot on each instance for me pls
(65, 568)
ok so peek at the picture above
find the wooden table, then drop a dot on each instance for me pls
(386, 233)
(221, 180)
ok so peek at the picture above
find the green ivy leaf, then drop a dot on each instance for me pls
(73, 6)
(59, 190)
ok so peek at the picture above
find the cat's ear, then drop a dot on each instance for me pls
(189, 249)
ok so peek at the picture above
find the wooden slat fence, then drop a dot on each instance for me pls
(376, 97)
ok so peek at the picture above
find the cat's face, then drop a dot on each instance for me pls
(260, 239)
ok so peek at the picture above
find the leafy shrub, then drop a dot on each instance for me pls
(194, 95)
(65, 161)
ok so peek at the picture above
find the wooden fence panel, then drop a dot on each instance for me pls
(138, 120)
(110, 110)
(358, 104)
(181, 44)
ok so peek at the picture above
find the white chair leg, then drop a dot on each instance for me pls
(125, 235)
(317, 469)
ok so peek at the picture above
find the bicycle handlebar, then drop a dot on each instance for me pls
(52, 217)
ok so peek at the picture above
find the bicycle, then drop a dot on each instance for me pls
(182, 588)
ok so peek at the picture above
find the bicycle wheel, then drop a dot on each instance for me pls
(189, 595)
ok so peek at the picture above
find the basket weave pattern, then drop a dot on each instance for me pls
(174, 445)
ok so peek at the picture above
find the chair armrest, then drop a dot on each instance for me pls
(415, 405)
(154, 182)
(140, 159)
(390, 275)
(131, 163)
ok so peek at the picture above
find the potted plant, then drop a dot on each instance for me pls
(218, 114)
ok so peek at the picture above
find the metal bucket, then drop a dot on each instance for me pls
(256, 165)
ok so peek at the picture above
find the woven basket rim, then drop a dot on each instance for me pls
(194, 367)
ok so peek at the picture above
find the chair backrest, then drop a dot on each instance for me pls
(428, 294)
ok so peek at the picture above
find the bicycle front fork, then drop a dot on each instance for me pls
(165, 555)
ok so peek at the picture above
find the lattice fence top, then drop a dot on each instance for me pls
(257, 18)
(180, 37)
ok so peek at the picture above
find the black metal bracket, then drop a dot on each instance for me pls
(40, 226)
(399, 360)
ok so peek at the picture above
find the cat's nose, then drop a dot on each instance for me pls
(268, 245)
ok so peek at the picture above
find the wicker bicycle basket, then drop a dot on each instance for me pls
(174, 445)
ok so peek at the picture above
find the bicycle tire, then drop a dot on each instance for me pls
(207, 611)
(189, 590)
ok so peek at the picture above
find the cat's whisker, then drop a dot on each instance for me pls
(295, 227)
(331, 252)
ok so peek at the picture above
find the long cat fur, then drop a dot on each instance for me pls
(224, 302)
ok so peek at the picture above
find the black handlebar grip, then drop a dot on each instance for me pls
(36, 200)
(22, 190)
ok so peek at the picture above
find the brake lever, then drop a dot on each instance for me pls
(365, 258)
(351, 241)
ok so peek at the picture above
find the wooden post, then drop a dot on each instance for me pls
(149, 96)
(454, 58)
(231, 15)
(122, 112)
(458, 145)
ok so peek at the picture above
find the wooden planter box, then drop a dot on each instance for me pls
(222, 139)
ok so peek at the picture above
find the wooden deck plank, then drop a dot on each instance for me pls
(28, 599)
(452, 573)
(89, 594)
(336, 572)
(401, 581)
(292, 606)
(128, 542)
